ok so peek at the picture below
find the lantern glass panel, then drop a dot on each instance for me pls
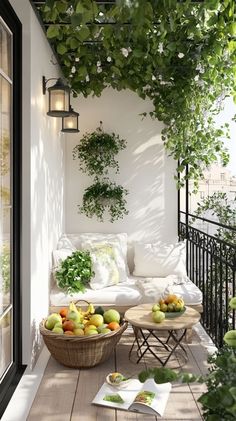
(59, 100)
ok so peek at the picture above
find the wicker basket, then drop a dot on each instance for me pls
(81, 351)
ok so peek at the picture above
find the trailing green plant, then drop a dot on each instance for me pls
(219, 402)
(96, 152)
(104, 196)
(75, 272)
(180, 55)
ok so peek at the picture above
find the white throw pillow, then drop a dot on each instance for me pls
(104, 265)
(60, 255)
(76, 240)
(117, 251)
(157, 260)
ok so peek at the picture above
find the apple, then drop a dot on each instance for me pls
(111, 316)
(163, 307)
(52, 320)
(57, 329)
(232, 303)
(156, 307)
(158, 316)
(97, 320)
(90, 332)
(230, 338)
(103, 326)
(105, 330)
(78, 332)
(74, 315)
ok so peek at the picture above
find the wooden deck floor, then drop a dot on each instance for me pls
(66, 394)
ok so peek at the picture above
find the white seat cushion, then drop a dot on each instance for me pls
(124, 294)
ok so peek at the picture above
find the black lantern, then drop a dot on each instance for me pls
(70, 123)
(59, 98)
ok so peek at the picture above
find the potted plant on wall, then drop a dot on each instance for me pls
(104, 196)
(97, 150)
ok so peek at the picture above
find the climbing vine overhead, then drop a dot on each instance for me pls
(181, 55)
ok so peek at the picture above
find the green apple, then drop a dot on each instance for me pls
(105, 330)
(52, 320)
(111, 316)
(97, 320)
(75, 316)
(230, 338)
(156, 307)
(78, 325)
(103, 326)
(232, 303)
(158, 316)
(57, 329)
(90, 332)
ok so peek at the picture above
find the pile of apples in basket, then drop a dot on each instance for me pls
(73, 321)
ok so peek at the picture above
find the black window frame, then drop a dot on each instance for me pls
(14, 373)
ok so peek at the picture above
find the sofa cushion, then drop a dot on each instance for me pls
(126, 294)
(76, 240)
(104, 265)
(159, 260)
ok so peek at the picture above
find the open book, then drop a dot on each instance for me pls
(147, 397)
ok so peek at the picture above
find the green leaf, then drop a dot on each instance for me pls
(52, 31)
(76, 20)
(83, 33)
(80, 8)
(61, 49)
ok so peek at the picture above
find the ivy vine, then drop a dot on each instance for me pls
(96, 152)
(180, 55)
(104, 196)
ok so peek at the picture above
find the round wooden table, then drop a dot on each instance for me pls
(140, 317)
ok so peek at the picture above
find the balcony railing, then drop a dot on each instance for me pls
(211, 265)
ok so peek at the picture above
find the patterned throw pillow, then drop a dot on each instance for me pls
(104, 265)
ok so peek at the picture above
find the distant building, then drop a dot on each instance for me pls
(216, 179)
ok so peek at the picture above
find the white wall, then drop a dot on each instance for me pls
(42, 180)
(145, 169)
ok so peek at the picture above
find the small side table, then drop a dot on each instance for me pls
(140, 317)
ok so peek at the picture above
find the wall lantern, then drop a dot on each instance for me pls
(59, 98)
(70, 123)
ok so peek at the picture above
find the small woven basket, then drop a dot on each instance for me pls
(81, 351)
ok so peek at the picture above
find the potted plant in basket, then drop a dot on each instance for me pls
(102, 196)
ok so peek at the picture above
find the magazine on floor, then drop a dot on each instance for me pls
(148, 397)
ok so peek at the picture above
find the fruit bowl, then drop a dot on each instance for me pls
(119, 382)
(173, 314)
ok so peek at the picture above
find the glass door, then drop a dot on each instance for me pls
(6, 304)
(11, 367)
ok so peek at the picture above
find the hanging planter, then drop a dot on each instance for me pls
(104, 197)
(96, 152)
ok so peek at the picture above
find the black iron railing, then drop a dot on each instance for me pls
(211, 265)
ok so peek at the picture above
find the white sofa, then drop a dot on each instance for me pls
(130, 292)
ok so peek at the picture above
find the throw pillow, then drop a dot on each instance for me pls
(118, 255)
(76, 240)
(157, 260)
(104, 266)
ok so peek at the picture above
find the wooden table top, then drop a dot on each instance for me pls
(141, 316)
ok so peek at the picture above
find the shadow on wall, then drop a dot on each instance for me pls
(145, 170)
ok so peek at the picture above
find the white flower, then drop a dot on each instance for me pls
(100, 13)
(193, 107)
(153, 77)
(109, 59)
(98, 63)
(196, 78)
(181, 55)
(87, 78)
(73, 70)
(160, 48)
(77, 59)
(129, 49)
(125, 51)
(99, 69)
